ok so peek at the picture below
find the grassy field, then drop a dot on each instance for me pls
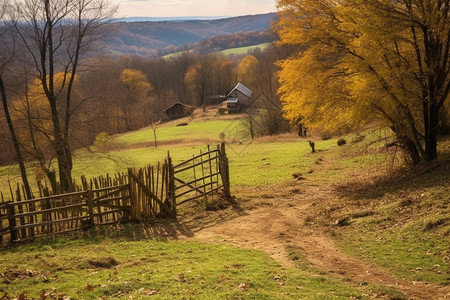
(119, 267)
(231, 51)
(270, 161)
(410, 228)
(407, 232)
(243, 50)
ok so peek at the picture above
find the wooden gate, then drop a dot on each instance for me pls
(202, 175)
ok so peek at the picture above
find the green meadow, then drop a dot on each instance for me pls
(406, 233)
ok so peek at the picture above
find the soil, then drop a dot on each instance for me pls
(274, 222)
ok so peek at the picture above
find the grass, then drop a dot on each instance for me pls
(270, 161)
(409, 231)
(107, 268)
(209, 131)
(243, 50)
(407, 234)
(231, 51)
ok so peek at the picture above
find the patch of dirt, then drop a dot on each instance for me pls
(276, 224)
(13, 275)
(104, 262)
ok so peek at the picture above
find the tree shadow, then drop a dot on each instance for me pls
(418, 179)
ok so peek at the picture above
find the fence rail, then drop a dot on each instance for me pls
(139, 194)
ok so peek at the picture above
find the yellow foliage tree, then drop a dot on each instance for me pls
(136, 83)
(138, 110)
(246, 70)
(35, 130)
(368, 61)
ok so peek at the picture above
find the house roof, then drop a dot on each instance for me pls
(243, 89)
(178, 103)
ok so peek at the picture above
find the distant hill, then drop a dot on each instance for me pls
(146, 38)
(175, 19)
(223, 42)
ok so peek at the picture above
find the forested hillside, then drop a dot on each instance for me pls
(160, 38)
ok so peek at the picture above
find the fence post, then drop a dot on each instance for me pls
(1, 222)
(133, 195)
(12, 221)
(224, 171)
(90, 207)
(171, 186)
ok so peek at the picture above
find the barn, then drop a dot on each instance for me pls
(238, 98)
(179, 110)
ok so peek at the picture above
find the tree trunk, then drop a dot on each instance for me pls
(431, 129)
(410, 149)
(64, 156)
(154, 136)
(20, 160)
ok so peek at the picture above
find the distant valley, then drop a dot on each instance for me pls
(158, 38)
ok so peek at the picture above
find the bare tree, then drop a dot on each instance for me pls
(57, 34)
(7, 51)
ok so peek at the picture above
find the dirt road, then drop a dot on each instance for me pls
(276, 223)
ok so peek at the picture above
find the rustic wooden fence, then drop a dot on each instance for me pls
(139, 194)
(202, 175)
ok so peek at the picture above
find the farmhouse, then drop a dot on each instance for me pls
(238, 98)
(179, 110)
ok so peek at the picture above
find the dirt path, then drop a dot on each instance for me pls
(274, 224)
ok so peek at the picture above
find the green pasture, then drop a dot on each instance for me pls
(208, 131)
(231, 51)
(130, 268)
(252, 162)
(244, 50)
(407, 234)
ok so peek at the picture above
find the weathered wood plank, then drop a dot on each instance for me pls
(150, 194)
(194, 158)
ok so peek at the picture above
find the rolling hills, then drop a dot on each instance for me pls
(150, 38)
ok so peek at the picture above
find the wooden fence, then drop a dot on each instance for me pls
(202, 175)
(139, 194)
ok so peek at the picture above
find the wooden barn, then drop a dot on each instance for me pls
(179, 110)
(238, 98)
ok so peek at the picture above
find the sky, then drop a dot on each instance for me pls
(187, 8)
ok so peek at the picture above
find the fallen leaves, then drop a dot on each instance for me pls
(90, 288)
(10, 276)
(243, 286)
(180, 278)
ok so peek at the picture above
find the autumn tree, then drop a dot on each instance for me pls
(56, 35)
(198, 80)
(32, 116)
(368, 61)
(245, 70)
(227, 76)
(259, 72)
(138, 100)
(206, 77)
(105, 94)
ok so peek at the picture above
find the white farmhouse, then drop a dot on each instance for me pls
(238, 98)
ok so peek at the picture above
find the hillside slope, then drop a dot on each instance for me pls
(144, 38)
